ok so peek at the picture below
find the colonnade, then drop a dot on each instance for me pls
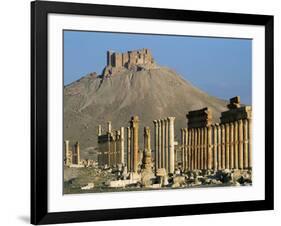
(164, 144)
(218, 146)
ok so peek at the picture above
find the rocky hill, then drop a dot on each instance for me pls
(151, 93)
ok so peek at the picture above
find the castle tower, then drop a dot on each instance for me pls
(109, 58)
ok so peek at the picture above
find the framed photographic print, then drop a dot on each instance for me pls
(144, 112)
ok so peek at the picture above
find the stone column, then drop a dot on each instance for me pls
(160, 144)
(236, 141)
(245, 143)
(166, 144)
(147, 149)
(215, 163)
(109, 126)
(250, 143)
(231, 152)
(116, 149)
(99, 130)
(186, 149)
(129, 149)
(109, 152)
(163, 144)
(122, 146)
(182, 147)
(192, 148)
(227, 166)
(199, 148)
(156, 145)
(195, 149)
(223, 146)
(135, 128)
(68, 161)
(146, 140)
(77, 152)
(219, 146)
(240, 134)
(202, 149)
(210, 145)
(171, 121)
(205, 148)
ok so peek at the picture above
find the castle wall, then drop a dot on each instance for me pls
(118, 60)
(129, 59)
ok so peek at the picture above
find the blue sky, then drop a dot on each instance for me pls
(221, 67)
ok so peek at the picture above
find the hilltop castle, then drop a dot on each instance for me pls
(133, 60)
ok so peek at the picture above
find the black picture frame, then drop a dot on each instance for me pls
(39, 112)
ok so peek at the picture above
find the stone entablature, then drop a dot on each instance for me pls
(235, 111)
(219, 146)
(199, 118)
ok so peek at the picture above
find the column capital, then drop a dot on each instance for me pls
(171, 119)
(135, 118)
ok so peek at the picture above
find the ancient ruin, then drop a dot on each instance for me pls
(164, 144)
(134, 153)
(227, 145)
(111, 146)
(132, 60)
(208, 154)
(71, 154)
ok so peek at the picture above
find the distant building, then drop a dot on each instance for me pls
(132, 60)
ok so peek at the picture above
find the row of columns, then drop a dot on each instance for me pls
(164, 144)
(219, 146)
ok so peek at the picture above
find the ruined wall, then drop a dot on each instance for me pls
(111, 146)
(71, 154)
(130, 58)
